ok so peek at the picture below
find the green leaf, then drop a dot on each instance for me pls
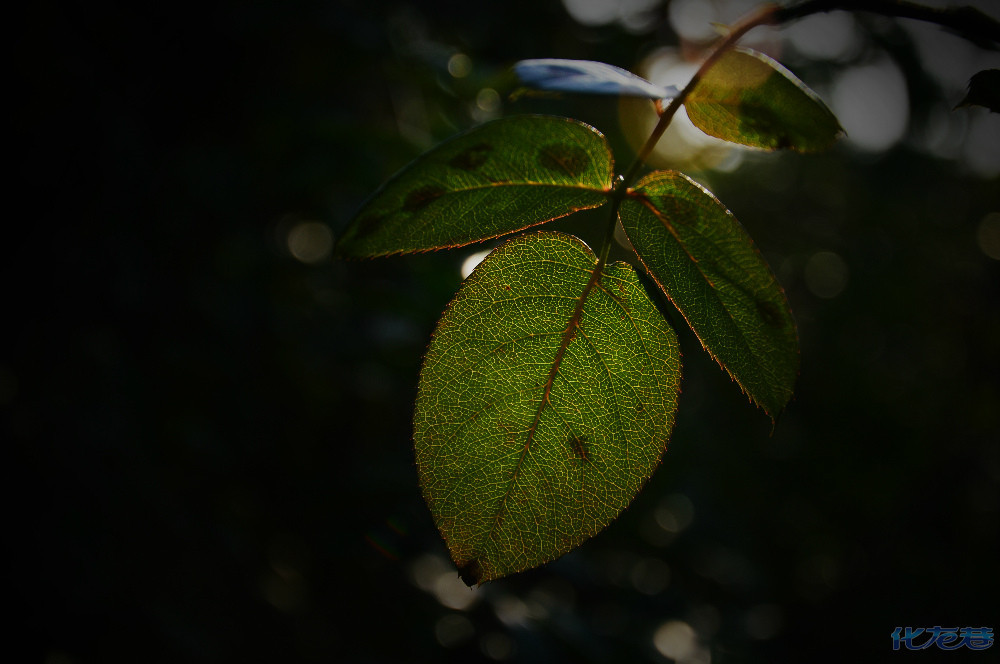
(495, 179)
(748, 98)
(708, 266)
(544, 404)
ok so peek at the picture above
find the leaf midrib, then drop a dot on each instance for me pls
(568, 334)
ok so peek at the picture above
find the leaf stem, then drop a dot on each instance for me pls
(617, 194)
(968, 21)
(762, 16)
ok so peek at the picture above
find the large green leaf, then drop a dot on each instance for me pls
(543, 405)
(710, 269)
(748, 98)
(495, 179)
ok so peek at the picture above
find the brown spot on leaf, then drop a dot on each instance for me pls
(420, 198)
(769, 313)
(367, 225)
(578, 446)
(472, 158)
(565, 159)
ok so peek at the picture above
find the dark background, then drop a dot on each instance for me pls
(210, 439)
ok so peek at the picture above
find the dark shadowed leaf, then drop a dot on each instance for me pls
(984, 90)
(495, 179)
(587, 77)
(748, 98)
(710, 269)
(541, 409)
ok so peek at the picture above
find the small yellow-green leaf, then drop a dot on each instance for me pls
(544, 404)
(495, 179)
(748, 98)
(708, 266)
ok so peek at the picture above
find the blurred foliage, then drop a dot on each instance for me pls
(211, 439)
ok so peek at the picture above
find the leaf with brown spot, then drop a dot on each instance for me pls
(525, 454)
(471, 158)
(420, 198)
(749, 98)
(493, 180)
(708, 266)
(569, 160)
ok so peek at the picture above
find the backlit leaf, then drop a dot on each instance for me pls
(748, 98)
(587, 77)
(541, 411)
(710, 269)
(495, 179)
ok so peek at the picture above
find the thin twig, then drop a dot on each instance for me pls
(763, 16)
(967, 21)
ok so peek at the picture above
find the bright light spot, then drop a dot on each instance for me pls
(831, 36)
(982, 144)
(988, 235)
(677, 640)
(948, 58)
(453, 630)
(426, 569)
(638, 16)
(488, 100)
(487, 106)
(693, 19)
(763, 621)
(633, 15)
(452, 592)
(682, 144)
(510, 610)
(674, 513)
(310, 241)
(826, 274)
(473, 260)
(592, 12)
(621, 238)
(496, 646)
(459, 65)
(650, 576)
(872, 104)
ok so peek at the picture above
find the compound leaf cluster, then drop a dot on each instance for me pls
(549, 389)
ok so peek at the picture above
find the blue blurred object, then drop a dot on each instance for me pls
(587, 77)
